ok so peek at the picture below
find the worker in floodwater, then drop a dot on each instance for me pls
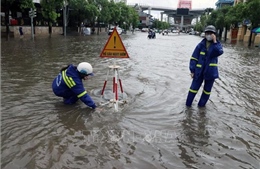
(68, 84)
(204, 66)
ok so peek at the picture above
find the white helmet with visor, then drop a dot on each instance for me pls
(85, 68)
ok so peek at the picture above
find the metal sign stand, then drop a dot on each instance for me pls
(116, 80)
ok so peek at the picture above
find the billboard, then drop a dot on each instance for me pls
(182, 11)
(185, 4)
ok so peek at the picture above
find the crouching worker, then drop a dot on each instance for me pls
(68, 84)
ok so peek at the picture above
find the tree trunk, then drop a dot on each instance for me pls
(50, 27)
(7, 19)
(220, 33)
(98, 28)
(225, 33)
(250, 39)
(251, 34)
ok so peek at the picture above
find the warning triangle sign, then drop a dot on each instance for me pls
(114, 47)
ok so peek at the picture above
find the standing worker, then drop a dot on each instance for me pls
(68, 84)
(204, 66)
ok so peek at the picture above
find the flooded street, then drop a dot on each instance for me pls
(153, 130)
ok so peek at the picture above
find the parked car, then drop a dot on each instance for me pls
(144, 30)
(192, 33)
(119, 30)
(202, 35)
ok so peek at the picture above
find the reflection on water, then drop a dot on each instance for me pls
(153, 129)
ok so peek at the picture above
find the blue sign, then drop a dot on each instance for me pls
(246, 22)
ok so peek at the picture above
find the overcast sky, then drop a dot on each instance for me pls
(196, 4)
(173, 3)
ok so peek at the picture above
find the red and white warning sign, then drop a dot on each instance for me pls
(114, 47)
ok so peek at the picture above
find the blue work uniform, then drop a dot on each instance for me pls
(68, 84)
(204, 65)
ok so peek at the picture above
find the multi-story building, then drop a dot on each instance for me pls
(221, 3)
(116, 1)
(237, 1)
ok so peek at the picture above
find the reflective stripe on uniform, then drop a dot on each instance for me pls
(68, 80)
(198, 65)
(213, 64)
(193, 91)
(81, 94)
(202, 53)
(194, 58)
(204, 91)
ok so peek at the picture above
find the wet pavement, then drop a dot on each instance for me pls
(153, 129)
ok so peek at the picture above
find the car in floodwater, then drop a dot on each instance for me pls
(119, 30)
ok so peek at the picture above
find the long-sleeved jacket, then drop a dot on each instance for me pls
(68, 83)
(204, 61)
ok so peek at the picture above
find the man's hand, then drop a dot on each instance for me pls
(98, 110)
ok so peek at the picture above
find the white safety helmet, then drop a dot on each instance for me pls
(85, 68)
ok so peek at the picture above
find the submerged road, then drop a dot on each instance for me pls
(152, 130)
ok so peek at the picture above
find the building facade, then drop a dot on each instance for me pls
(221, 3)
(116, 1)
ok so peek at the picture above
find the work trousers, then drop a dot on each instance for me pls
(70, 100)
(195, 85)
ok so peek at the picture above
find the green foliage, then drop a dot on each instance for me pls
(91, 12)
(134, 17)
(160, 25)
(199, 27)
(252, 12)
(211, 20)
(232, 15)
(49, 9)
(235, 14)
(27, 4)
(78, 9)
(104, 11)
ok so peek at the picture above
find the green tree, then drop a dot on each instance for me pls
(134, 18)
(128, 16)
(235, 14)
(199, 27)
(218, 19)
(92, 13)
(104, 14)
(251, 12)
(115, 13)
(160, 25)
(27, 4)
(78, 10)
(49, 11)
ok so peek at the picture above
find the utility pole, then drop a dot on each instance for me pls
(65, 17)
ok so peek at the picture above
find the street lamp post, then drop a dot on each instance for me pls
(65, 3)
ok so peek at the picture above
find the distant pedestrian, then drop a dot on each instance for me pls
(21, 31)
(82, 27)
(204, 66)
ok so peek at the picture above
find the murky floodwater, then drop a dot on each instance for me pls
(153, 129)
